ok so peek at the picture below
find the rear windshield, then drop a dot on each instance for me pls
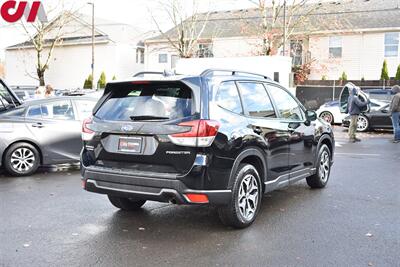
(147, 102)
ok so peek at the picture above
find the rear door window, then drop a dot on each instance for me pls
(58, 110)
(286, 104)
(160, 101)
(256, 101)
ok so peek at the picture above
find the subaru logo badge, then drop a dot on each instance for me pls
(127, 128)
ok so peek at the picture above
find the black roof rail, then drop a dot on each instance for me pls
(164, 73)
(210, 72)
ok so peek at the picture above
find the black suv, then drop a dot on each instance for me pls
(222, 138)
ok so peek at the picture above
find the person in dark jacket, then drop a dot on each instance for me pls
(395, 110)
(354, 108)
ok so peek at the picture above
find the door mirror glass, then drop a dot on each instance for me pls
(311, 115)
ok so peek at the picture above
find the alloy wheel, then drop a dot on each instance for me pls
(362, 124)
(324, 166)
(326, 116)
(248, 197)
(22, 160)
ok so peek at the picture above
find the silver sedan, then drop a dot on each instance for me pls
(42, 132)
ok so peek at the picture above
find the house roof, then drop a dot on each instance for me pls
(333, 16)
(78, 31)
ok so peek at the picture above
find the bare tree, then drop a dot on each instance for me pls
(45, 36)
(279, 20)
(188, 27)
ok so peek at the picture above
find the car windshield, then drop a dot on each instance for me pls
(6, 99)
(147, 102)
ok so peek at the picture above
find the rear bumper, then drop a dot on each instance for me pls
(147, 188)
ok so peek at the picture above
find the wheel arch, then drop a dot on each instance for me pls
(327, 140)
(24, 141)
(254, 157)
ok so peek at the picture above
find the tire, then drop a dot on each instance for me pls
(362, 124)
(246, 190)
(327, 116)
(321, 178)
(21, 159)
(126, 204)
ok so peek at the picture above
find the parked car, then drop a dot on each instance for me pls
(382, 94)
(25, 93)
(376, 119)
(330, 112)
(223, 138)
(42, 132)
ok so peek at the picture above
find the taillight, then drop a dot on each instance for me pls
(197, 198)
(201, 134)
(87, 133)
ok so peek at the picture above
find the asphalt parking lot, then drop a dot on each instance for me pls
(48, 220)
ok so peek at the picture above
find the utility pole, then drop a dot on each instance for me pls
(284, 28)
(93, 36)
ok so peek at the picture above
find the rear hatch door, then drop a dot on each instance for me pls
(133, 123)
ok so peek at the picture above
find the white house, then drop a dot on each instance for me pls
(119, 51)
(352, 36)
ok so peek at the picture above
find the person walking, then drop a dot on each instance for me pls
(395, 110)
(49, 91)
(354, 107)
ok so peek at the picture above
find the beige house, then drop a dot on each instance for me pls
(1, 70)
(353, 36)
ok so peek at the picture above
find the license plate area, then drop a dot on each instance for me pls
(131, 145)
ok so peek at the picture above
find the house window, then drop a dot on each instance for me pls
(162, 58)
(391, 44)
(205, 50)
(296, 52)
(140, 55)
(335, 47)
(174, 60)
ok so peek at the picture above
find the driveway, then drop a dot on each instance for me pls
(48, 220)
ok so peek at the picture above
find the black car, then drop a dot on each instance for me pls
(222, 138)
(376, 119)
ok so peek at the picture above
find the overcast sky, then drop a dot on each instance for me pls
(135, 12)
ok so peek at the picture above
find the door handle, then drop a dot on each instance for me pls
(257, 130)
(38, 125)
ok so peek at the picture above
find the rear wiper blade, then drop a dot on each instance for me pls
(148, 118)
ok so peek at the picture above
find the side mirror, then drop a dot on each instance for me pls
(311, 115)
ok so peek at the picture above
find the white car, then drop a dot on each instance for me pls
(330, 111)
